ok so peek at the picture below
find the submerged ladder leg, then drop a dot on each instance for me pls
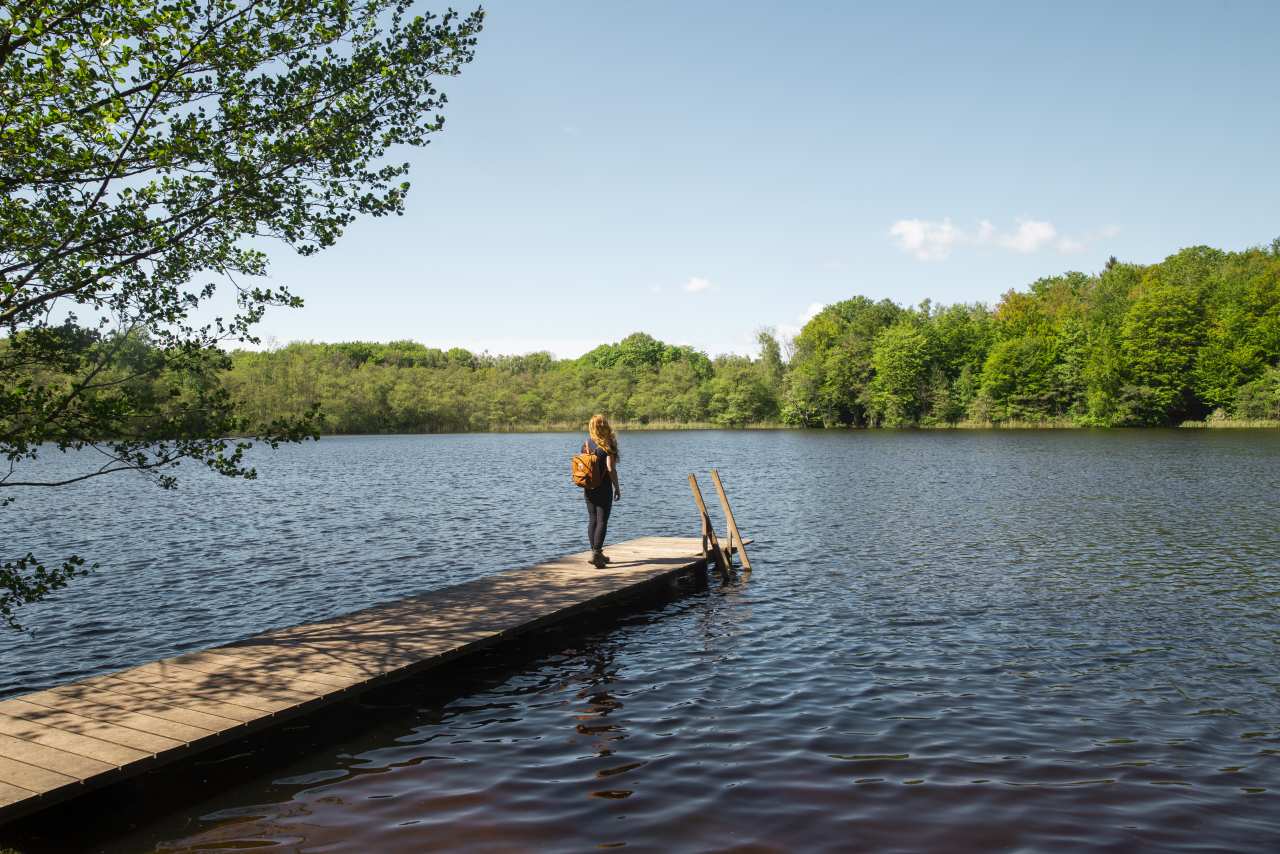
(735, 536)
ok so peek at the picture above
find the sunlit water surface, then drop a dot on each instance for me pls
(952, 641)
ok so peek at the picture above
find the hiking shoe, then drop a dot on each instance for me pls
(598, 560)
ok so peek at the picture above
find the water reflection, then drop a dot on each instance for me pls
(604, 734)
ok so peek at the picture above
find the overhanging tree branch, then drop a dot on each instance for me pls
(144, 143)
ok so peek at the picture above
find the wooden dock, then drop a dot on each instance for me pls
(63, 742)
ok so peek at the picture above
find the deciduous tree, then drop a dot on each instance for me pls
(148, 151)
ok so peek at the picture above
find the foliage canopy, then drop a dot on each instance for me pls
(149, 151)
(1196, 334)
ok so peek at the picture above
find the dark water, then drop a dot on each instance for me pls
(952, 641)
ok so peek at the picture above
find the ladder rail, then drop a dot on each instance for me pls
(735, 536)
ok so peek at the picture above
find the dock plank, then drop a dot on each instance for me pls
(10, 794)
(170, 702)
(61, 741)
(233, 692)
(145, 742)
(33, 778)
(231, 682)
(72, 742)
(365, 664)
(51, 758)
(261, 666)
(143, 713)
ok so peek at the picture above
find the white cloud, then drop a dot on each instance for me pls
(1030, 236)
(697, 284)
(935, 240)
(928, 241)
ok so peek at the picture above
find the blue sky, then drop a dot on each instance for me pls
(700, 170)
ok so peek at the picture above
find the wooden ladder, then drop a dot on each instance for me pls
(711, 548)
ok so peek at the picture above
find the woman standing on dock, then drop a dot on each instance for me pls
(602, 442)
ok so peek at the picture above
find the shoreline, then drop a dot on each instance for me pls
(659, 427)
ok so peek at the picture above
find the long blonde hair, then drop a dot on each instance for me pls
(602, 434)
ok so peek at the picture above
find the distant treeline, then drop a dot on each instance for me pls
(407, 387)
(1196, 336)
(1193, 338)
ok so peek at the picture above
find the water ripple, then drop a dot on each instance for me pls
(968, 641)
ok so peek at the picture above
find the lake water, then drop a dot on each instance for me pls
(952, 640)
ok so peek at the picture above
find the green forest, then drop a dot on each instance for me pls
(1195, 337)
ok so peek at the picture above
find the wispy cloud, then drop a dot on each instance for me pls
(697, 284)
(935, 240)
(1030, 236)
(789, 330)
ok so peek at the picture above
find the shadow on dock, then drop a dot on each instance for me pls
(92, 820)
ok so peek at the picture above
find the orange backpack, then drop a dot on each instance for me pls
(586, 470)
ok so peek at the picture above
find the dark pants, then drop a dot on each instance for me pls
(599, 504)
